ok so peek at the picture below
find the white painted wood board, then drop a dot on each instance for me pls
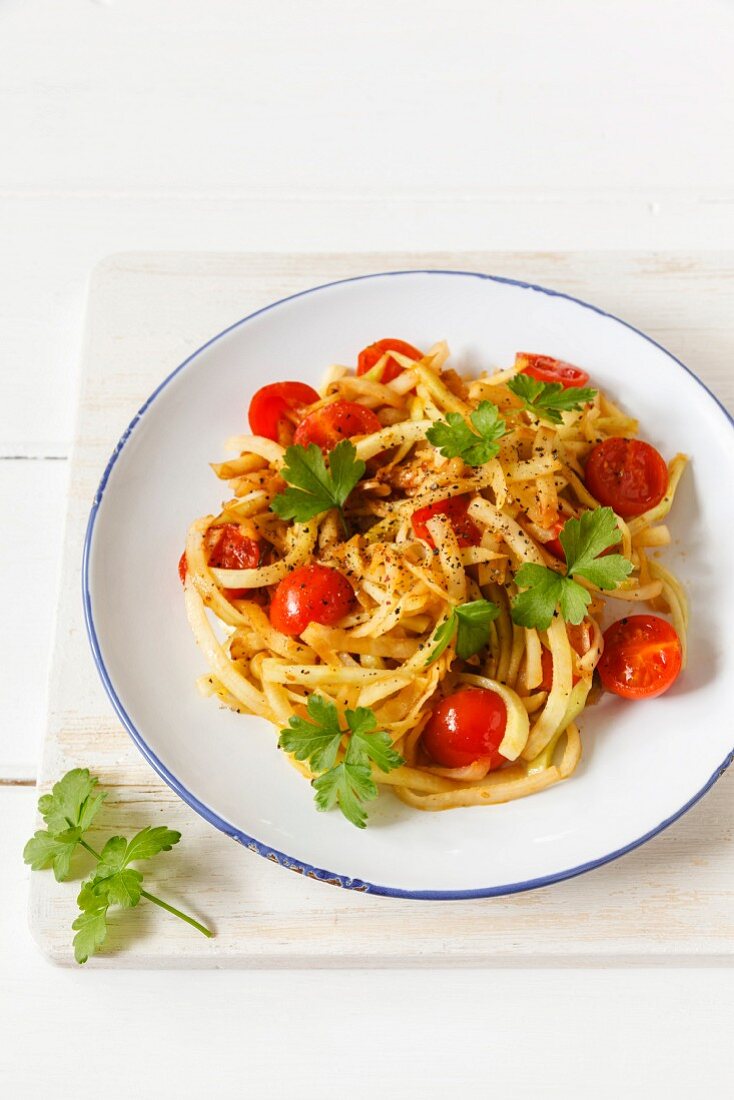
(670, 901)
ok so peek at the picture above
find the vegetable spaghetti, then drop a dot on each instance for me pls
(411, 568)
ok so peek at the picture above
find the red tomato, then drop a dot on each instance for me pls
(310, 594)
(553, 546)
(341, 420)
(455, 508)
(370, 356)
(578, 636)
(642, 657)
(270, 405)
(466, 727)
(546, 369)
(228, 549)
(233, 550)
(627, 474)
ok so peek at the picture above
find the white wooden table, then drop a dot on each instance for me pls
(325, 126)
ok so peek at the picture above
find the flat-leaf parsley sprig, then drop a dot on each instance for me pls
(454, 438)
(470, 622)
(68, 812)
(547, 400)
(583, 540)
(347, 784)
(313, 488)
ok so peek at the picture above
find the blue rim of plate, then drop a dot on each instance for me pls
(205, 811)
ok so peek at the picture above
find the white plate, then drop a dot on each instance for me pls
(644, 764)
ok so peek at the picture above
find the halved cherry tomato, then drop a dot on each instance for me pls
(546, 369)
(455, 508)
(329, 425)
(271, 404)
(310, 594)
(629, 475)
(642, 657)
(466, 727)
(553, 546)
(368, 357)
(578, 636)
(228, 549)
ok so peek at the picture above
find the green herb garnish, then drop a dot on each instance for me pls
(470, 622)
(347, 784)
(314, 488)
(547, 400)
(454, 438)
(583, 540)
(69, 811)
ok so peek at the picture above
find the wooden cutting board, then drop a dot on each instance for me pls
(670, 901)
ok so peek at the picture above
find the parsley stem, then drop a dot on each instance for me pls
(158, 901)
(345, 525)
(177, 913)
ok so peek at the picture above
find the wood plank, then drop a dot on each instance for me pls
(34, 495)
(670, 901)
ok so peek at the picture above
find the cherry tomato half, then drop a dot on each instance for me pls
(228, 549)
(466, 727)
(310, 594)
(329, 425)
(455, 508)
(642, 657)
(578, 636)
(546, 369)
(271, 404)
(370, 356)
(627, 474)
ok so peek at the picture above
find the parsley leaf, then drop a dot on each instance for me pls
(470, 622)
(583, 540)
(454, 438)
(69, 811)
(547, 400)
(347, 786)
(349, 783)
(72, 802)
(314, 488)
(46, 850)
(90, 925)
(317, 741)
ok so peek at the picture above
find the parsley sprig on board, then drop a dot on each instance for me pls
(454, 438)
(547, 400)
(470, 623)
(318, 738)
(68, 812)
(314, 488)
(583, 540)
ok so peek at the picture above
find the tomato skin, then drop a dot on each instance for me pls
(545, 369)
(371, 355)
(465, 727)
(228, 549)
(310, 594)
(270, 404)
(329, 425)
(553, 546)
(546, 661)
(642, 657)
(628, 475)
(455, 508)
